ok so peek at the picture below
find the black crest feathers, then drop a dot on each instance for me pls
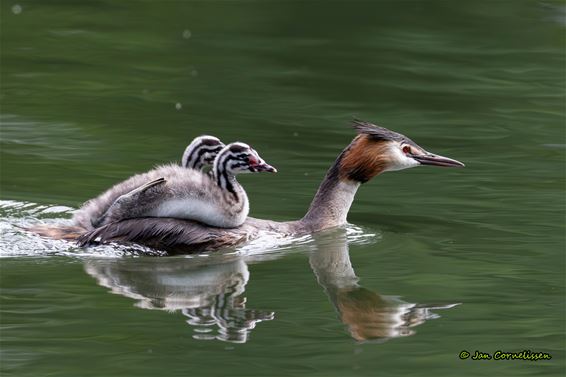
(377, 133)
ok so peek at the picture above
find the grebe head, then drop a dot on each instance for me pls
(376, 150)
(237, 158)
(201, 152)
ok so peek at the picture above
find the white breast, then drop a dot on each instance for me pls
(192, 209)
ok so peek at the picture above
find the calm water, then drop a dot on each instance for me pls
(439, 260)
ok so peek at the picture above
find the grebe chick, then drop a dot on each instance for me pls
(198, 155)
(373, 151)
(201, 152)
(216, 200)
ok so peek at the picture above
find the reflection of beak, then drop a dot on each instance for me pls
(264, 167)
(431, 159)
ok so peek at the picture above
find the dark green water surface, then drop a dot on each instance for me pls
(438, 261)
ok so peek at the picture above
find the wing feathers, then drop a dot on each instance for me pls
(174, 235)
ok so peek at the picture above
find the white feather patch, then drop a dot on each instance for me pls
(192, 209)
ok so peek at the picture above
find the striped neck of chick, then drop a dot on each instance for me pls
(237, 158)
(201, 152)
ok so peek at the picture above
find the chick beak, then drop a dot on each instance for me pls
(258, 165)
(265, 167)
(435, 160)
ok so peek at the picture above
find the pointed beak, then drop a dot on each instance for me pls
(264, 167)
(434, 160)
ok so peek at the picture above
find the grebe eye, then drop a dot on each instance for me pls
(406, 149)
(252, 160)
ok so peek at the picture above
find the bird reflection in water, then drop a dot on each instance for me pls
(368, 315)
(209, 294)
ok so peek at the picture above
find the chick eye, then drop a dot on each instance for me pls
(252, 160)
(406, 149)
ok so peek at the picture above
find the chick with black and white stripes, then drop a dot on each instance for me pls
(215, 199)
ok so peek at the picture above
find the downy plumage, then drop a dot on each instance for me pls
(216, 199)
(198, 155)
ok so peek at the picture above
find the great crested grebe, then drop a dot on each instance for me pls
(373, 151)
(199, 154)
(215, 200)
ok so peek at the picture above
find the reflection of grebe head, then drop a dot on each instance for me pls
(369, 317)
(227, 320)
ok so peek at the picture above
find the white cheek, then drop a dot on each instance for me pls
(399, 161)
(234, 170)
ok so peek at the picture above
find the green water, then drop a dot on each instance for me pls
(94, 91)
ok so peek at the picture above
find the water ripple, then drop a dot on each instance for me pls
(15, 241)
(15, 216)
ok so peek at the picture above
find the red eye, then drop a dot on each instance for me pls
(406, 149)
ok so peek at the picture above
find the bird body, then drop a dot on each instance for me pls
(373, 151)
(173, 191)
(223, 215)
(183, 194)
(199, 154)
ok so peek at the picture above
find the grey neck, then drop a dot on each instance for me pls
(332, 201)
(331, 264)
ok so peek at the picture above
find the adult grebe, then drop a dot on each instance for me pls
(373, 151)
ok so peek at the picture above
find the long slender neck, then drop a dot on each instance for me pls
(194, 155)
(191, 157)
(332, 201)
(359, 162)
(195, 165)
(226, 180)
(331, 264)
